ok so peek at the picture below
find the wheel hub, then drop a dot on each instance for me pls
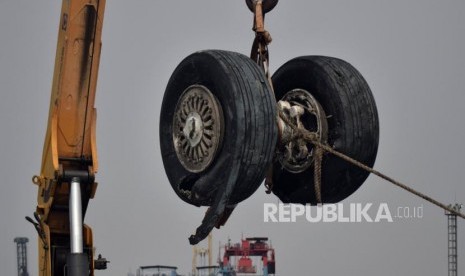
(193, 129)
(302, 109)
(197, 128)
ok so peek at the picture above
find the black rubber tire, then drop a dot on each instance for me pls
(250, 130)
(353, 127)
(267, 5)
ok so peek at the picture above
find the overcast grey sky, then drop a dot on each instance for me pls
(410, 52)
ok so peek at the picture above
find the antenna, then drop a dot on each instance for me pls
(21, 252)
(452, 239)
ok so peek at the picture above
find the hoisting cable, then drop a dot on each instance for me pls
(260, 55)
(259, 52)
(318, 158)
(313, 138)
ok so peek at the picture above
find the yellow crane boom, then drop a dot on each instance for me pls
(69, 162)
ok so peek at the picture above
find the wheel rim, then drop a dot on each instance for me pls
(301, 108)
(197, 128)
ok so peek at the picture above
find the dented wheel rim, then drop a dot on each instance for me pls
(197, 128)
(300, 107)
